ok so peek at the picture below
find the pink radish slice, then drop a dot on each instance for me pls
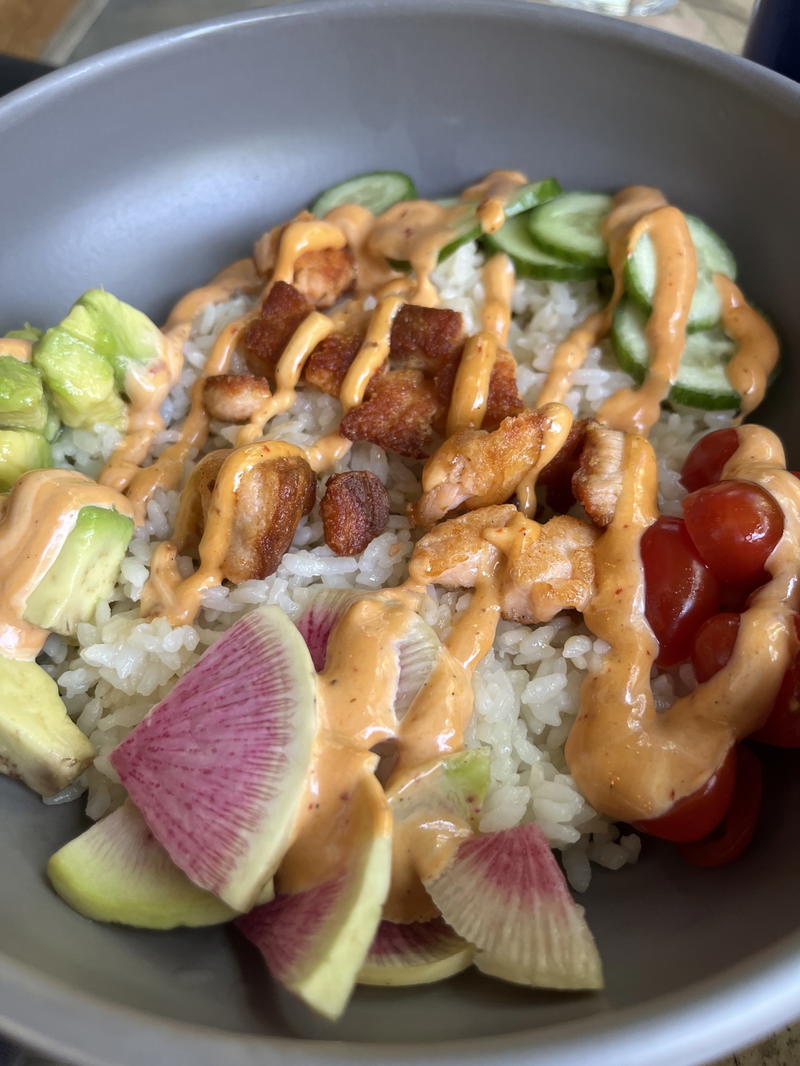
(315, 941)
(414, 954)
(418, 649)
(118, 872)
(506, 895)
(218, 769)
(318, 618)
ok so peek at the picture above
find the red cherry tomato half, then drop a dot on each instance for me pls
(734, 526)
(706, 461)
(697, 815)
(734, 833)
(713, 644)
(680, 590)
(782, 728)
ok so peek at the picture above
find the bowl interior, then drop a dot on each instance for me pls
(146, 171)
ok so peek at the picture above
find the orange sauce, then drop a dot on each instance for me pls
(757, 348)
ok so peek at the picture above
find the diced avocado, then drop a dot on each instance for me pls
(21, 450)
(80, 381)
(22, 400)
(127, 339)
(83, 573)
(27, 333)
(39, 743)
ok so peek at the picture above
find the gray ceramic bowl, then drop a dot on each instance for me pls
(148, 167)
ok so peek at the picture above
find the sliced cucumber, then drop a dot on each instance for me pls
(701, 382)
(570, 227)
(531, 195)
(713, 257)
(377, 191)
(526, 197)
(530, 261)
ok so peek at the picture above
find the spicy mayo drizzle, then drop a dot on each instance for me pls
(637, 211)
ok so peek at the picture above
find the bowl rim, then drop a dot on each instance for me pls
(704, 1020)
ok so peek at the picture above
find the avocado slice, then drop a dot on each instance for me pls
(126, 338)
(39, 742)
(83, 572)
(21, 450)
(22, 401)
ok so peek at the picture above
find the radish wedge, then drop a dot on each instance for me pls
(118, 872)
(219, 767)
(318, 618)
(315, 942)
(418, 648)
(506, 895)
(416, 953)
(433, 811)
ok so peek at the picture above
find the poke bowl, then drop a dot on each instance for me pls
(397, 613)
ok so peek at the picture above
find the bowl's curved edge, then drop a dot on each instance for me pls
(780, 90)
(703, 1021)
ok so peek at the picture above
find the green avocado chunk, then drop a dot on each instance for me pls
(126, 338)
(83, 572)
(39, 742)
(98, 352)
(20, 451)
(22, 401)
(81, 382)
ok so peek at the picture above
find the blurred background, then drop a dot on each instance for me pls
(58, 31)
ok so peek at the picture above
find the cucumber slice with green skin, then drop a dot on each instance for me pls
(701, 382)
(713, 257)
(530, 261)
(526, 197)
(532, 195)
(377, 190)
(569, 227)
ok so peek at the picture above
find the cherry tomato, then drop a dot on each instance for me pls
(734, 526)
(697, 815)
(713, 644)
(680, 590)
(706, 461)
(734, 833)
(782, 728)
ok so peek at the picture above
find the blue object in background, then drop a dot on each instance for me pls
(774, 36)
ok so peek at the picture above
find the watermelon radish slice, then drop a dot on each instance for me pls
(314, 942)
(318, 618)
(506, 895)
(219, 767)
(417, 953)
(418, 649)
(118, 872)
(433, 810)
(454, 787)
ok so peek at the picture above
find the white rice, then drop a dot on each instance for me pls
(526, 690)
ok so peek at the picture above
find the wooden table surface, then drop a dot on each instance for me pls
(58, 30)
